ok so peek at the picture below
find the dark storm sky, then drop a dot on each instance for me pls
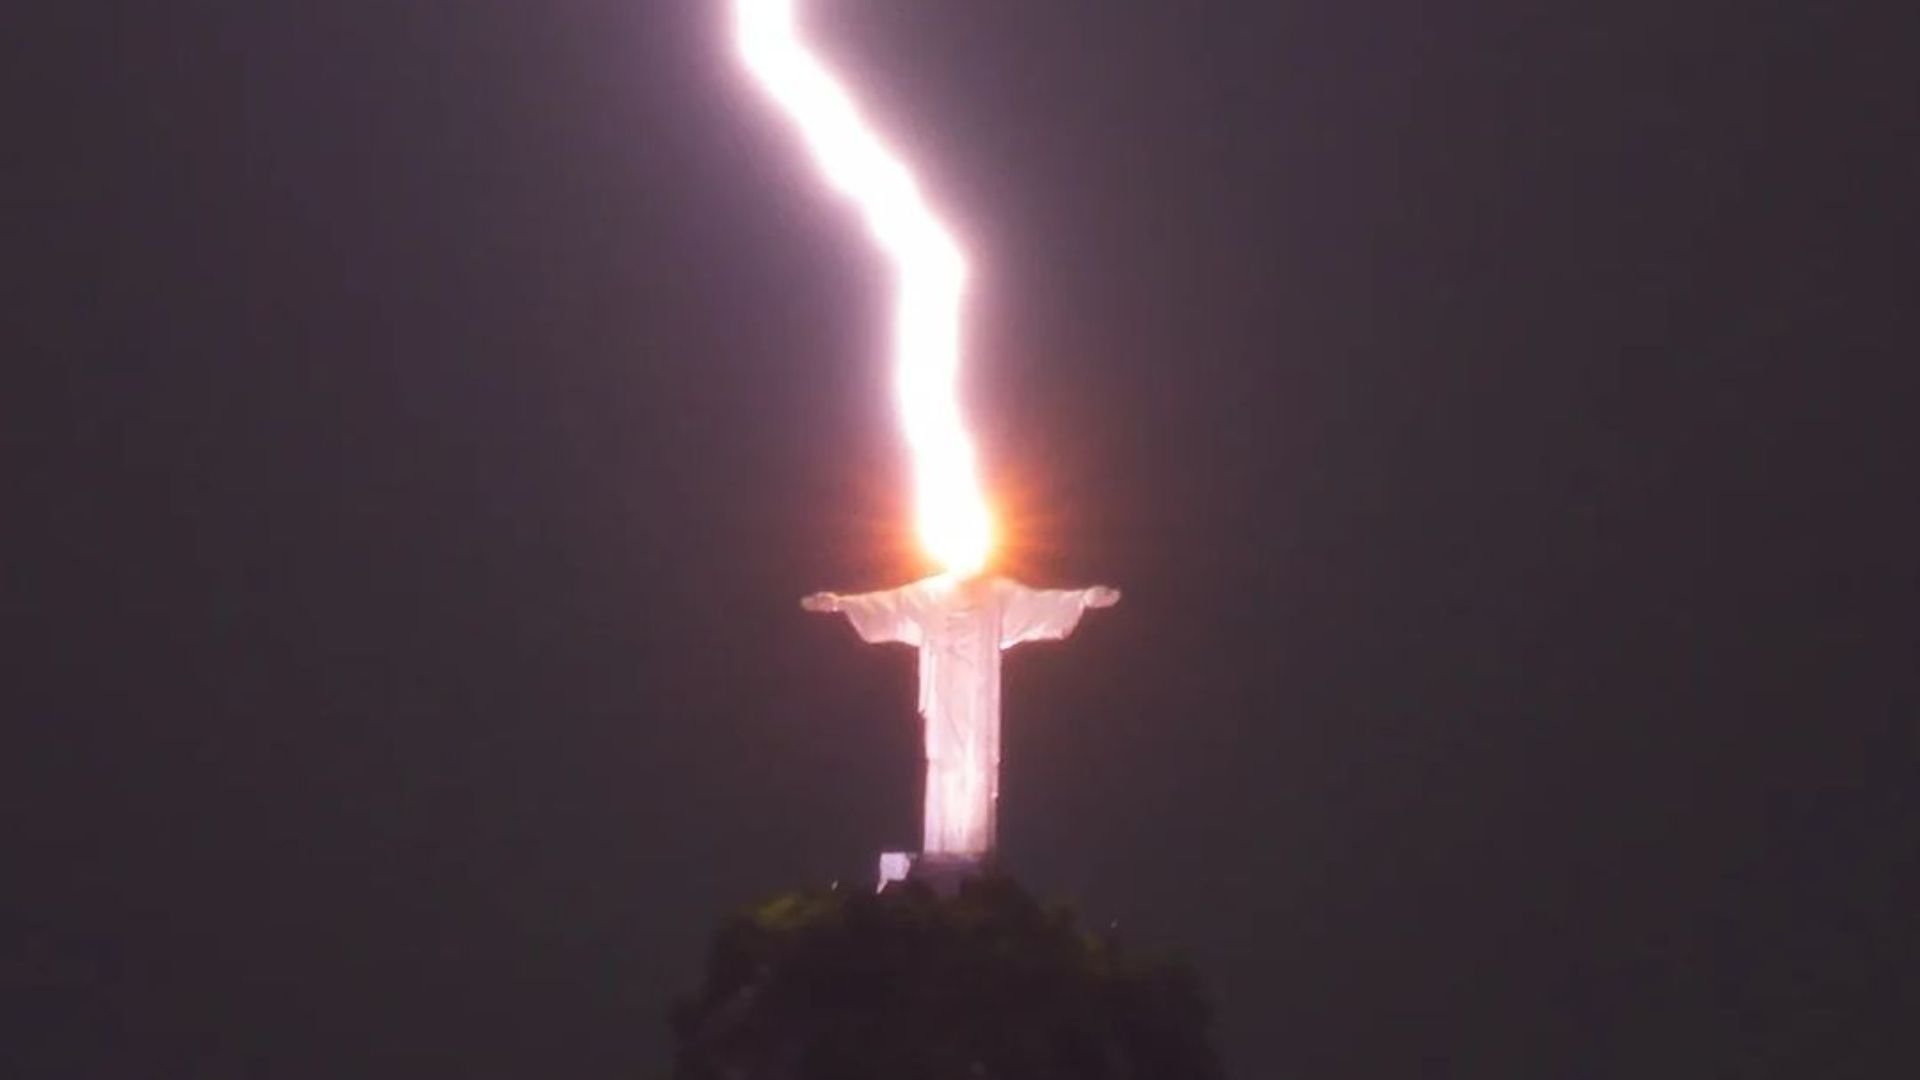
(1489, 410)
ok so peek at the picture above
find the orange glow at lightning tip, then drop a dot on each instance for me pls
(951, 512)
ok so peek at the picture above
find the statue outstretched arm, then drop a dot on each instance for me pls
(1049, 614)
(882, 617)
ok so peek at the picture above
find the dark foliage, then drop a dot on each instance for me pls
(909, 985)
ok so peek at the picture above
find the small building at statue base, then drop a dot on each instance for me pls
(941, 873)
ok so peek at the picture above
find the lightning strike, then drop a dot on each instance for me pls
(951, 515)
(961, 619)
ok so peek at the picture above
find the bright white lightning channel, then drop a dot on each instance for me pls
(951, 512)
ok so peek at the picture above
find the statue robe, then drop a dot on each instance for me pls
(960, 629)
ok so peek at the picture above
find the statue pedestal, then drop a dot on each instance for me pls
(941, 873)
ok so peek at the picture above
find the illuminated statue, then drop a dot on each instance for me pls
(961, 619)
(960, 626)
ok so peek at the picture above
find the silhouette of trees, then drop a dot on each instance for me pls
(909, 985)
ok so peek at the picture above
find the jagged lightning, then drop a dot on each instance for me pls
(951, 514)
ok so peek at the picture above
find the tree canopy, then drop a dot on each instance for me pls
(910, 985)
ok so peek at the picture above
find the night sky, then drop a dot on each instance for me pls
(1492, 413)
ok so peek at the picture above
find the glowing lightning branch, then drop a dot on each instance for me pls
(951, 511)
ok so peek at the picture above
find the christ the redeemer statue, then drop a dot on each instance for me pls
(960, 626)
